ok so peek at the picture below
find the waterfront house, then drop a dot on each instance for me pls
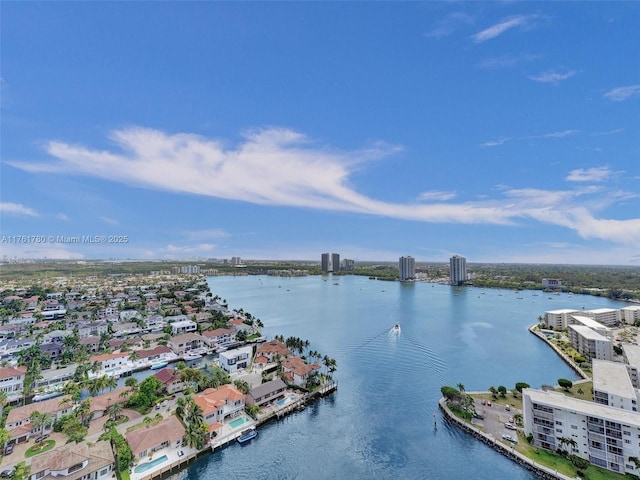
(19, 424)
(161, 353)
(297, 371)
(273, 349)
(233, 360)
(52, 350)
(590, 343)
(171, 381)
(12, 346)
(90, 343)
(266, 393)
(75, 462)
(110, 361)
(181, 344)
(183, 326)
(220, 337)
(101, 403)
(169, 432)
(220, 404)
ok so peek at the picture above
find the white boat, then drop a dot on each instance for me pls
(396, 328)
(158, 365)
(191, 356)
(247, 435)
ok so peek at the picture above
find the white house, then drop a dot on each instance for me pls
(233, 360)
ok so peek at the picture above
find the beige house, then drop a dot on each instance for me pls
(75, 462)
(144, 441)
(18, 423)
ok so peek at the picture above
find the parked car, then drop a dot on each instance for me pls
(507, 408)
(510, 426)
(509, 438)
(6, 474)
(41, 438)
(8, 450)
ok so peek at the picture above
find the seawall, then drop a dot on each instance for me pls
(541, 470)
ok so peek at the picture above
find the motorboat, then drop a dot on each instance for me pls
(247, 435)
(396, 328)
(158, 365)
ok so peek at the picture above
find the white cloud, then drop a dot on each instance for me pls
(597, 174)
(438, 196)
(62, 216)
(495, 143)
(450, 24)
(17, 208)
(610, 132)
(191, 249)
(110, 221)
(506, 61)
(207, 234)
(620, 94)
(283, 168)
(552, 77)
(500, 28)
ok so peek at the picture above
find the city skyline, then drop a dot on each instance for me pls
(276, 131)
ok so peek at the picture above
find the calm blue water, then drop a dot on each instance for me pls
(380, 422)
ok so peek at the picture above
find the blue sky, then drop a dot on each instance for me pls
(504, 132)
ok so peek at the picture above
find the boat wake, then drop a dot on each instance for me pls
(395, 330)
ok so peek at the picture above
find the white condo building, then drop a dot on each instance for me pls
(630, 314)
(558, 319)
(590, 343)
(407, 267)
(606, 436)
(606, 316)
(457, 270)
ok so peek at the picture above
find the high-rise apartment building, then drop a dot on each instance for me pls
(325, 262)
(457, 270)
(407, 267)
(348, 265)
(335, 262)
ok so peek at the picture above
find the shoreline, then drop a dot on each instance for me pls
(490, 440)
(525, 462)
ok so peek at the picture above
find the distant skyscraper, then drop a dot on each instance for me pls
(335, 262)
(407, 266)
(325, 262)
(348, 265)
(457, 270)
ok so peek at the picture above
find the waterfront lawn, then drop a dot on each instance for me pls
(563, 465)
(509, 399)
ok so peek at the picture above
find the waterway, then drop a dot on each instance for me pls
(380, 423)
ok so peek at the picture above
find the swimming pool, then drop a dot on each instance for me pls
(143, 467)
(284, 401)
(238, 421)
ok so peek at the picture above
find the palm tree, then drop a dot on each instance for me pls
(147, 421)
(110, 383)
(114, 410)
(3, 401)
(460, 387)
(40, 421)
(83, 412)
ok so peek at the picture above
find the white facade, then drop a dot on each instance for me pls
(606, 316)
(233, 360)
(630, 315)
(457, 270)
(606, 436)
(632, 358)
(407, 267)
(558, 319)
(589, 343)
(184, 326)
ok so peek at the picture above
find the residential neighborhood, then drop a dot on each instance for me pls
(132, 375)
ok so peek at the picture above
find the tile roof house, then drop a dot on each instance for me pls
(220, 336)
(272, 348)
(220, 404)
(297, 370)
(75, 461)
(172, 382)
(110, 360)
(12, 380)
(144, 441)
(100, 403)
(19, 424)
(181, 344)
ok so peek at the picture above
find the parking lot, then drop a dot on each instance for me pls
(494, 417)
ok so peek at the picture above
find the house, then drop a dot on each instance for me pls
(272, 349)
(52, 350)
(267, 393)
(90, 343)
(101, 403)
(161, 353)
(167, 433)
(220, 404)
(183, 326)
(12, 381)
(220, 336)
(297, 371)
(186, 342)
(74, 462)
(86, 329)
(18, 422)
(171, 382)
(14, 345)
(110, 361)
(233, 360)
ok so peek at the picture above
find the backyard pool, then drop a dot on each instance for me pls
(238, 421)
(284, 401)
(143, 467)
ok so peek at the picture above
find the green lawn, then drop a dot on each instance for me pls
(36, 450)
